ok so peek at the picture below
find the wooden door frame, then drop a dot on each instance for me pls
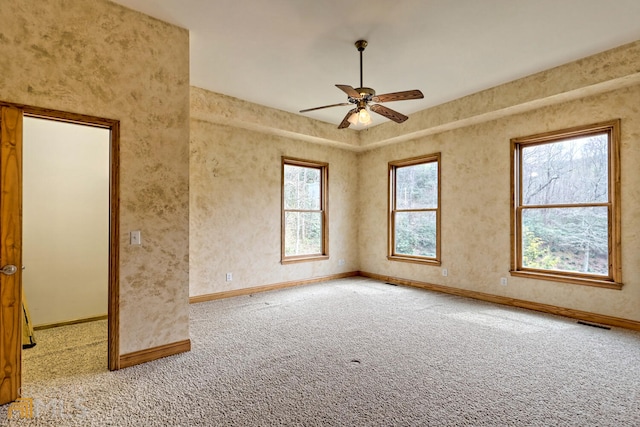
(114, 213)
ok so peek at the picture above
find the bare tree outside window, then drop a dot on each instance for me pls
(565, 192)
(304, 227)
(414, 211)
(565, 201)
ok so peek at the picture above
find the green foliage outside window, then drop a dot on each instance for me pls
(303, 216)
(415, 207)
(561, 231)
(537, 254)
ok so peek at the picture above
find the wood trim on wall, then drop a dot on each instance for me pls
(63, 116)
(113, 309)
(545, 308)
(324, 210)
(154, 353)
(113, 349)
(613, 280)
(266, 288)
(392, 208)
(69, 322)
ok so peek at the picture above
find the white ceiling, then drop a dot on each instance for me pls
(289, 54)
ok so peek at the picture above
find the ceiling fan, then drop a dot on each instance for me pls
(362, 96)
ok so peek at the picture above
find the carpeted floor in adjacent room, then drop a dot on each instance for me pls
(351, 352)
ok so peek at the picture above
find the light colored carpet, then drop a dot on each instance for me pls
(66, 351)
(355, 352)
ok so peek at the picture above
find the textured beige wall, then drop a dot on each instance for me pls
(235, 192)
(217, 108)
(476, 202)
(98, 58)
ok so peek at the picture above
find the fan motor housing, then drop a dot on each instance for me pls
(365, 91)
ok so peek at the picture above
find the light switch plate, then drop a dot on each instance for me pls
(134, 238)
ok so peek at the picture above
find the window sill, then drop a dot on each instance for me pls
(303, 258)
(600, 283)
(415, 260)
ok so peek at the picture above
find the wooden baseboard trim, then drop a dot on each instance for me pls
(69, 322)
(147, 355)
(545, 308)
(266, 288)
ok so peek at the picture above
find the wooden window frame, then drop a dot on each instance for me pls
(324, 210)
(391, 196)
(613, 280)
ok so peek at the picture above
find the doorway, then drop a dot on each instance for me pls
(65, 243)
(11, 183)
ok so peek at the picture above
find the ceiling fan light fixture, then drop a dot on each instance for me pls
(353, 119)
(364, 117)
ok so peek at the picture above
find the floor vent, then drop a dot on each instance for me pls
(392, 284)
(593, 325)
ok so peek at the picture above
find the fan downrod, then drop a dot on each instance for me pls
(360, 45)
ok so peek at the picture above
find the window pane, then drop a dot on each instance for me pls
(565, 172)
(567, 239)
(417, 186)
(301, 187)
(415, 233)
(303, 233)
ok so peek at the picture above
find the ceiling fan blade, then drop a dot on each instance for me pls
(398, 96)
(345, 122)
(325, 106)
(388, 113)
(349, 91)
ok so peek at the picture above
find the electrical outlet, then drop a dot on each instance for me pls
(229, 277)
(445, 272)
(503, 281)
(340, 261)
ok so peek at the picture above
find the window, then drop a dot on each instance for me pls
(414, 210)
(566, 215)
(305, 230)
